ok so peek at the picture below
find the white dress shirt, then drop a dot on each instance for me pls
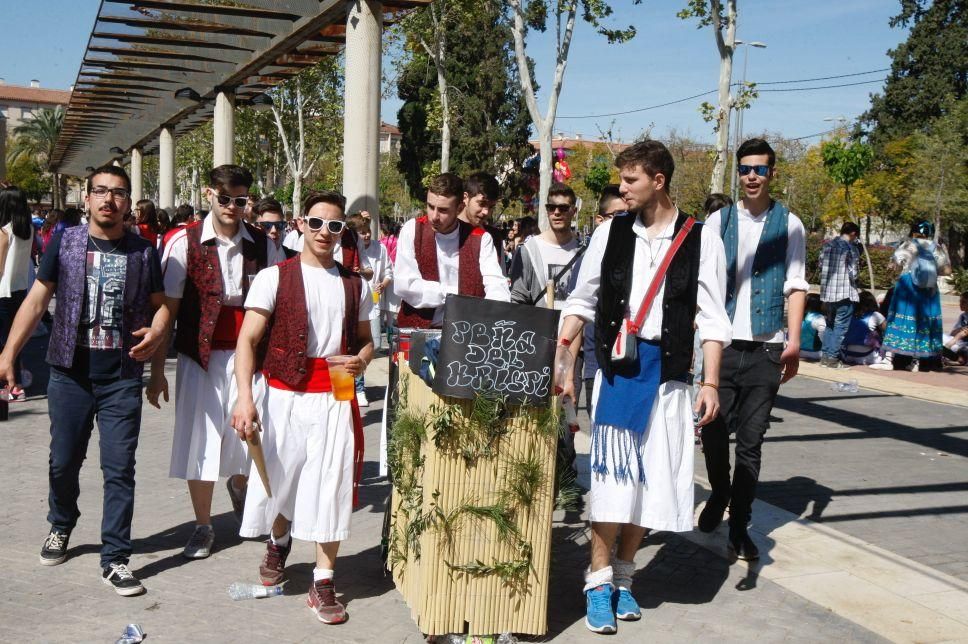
(174, 262)
(410, 286)
(749, 233)
(711, 318)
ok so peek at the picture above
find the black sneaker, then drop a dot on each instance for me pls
(54, 550)
(712, 514)
(741, 547)
(125, 584)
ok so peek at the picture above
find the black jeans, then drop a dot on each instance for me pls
(749, 380)
(73, 404)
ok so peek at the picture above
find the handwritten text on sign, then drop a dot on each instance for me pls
(494, 359)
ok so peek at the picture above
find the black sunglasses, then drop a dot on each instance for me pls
(761, 170)
(269, 225)
(334, 226)
(553, 207)
(240, 202)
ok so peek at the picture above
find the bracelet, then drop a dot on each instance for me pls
(564, 342)
(709, 384)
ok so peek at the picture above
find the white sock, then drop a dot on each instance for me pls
(206, 526)
(322, 574)
(282, 541)
(597, 578)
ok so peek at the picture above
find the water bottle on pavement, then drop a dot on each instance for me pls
(239, 590)
(849, 387)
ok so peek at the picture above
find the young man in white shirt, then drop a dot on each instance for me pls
(481, 192)
(642, 432)
(312, 313)
(439, 255)
(208, 268)
(765, 253)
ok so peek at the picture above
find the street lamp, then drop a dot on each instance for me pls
(734, 183)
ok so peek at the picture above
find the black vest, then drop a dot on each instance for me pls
(678, 300)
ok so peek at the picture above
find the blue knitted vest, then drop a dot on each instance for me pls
(769, 268)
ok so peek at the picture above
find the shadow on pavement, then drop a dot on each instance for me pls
(358, 576)
(226, 536)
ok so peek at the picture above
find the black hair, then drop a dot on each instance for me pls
(716, 201)
(147, 208)
(849, 228)
(559, 189)
(71, 217)
(754, 147)
(652, 156)
(609, 193)
(229, 176)
(113, 170)
(814, 303)
(268, 204)
(324, 196)
(867, 303)
(183, 213)
(922, 227)
(482, 183)
(14, 210)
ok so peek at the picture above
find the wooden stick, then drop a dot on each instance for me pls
(258, 456)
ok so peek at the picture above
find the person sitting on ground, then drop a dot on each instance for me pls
(812, 329)
(862, 342)
(956, 344)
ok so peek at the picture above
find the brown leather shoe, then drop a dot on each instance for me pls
(322, 601)
(273, 568)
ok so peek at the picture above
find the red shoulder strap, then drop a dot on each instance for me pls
(660, 274)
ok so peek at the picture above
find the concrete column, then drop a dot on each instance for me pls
(3, 147)
(361, 116)
(137, 183)
(166, 168)
(224, 128)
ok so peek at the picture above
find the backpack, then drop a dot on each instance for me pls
(924, 270)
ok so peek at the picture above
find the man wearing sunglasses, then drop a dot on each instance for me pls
(315, 313)
(351, 252)
(765, 253)
(269, 218)
(209, 267)
(109, 318)
(439, 255)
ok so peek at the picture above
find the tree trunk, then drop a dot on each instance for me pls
(544, 175)
(196, 189)
(296, 192)
(445, 122)
(725, 45)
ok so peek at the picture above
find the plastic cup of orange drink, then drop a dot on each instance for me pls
(344, 387)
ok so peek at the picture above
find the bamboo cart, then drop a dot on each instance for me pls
(470, 527)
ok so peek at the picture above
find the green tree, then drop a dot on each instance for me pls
(36, 138)
(927, 69)
(846, 164)
(27, 174)
(485, 117)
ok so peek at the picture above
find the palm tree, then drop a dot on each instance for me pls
(36, 139)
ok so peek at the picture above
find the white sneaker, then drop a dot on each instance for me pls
(882, 366)
(361, 399)
(200, 544)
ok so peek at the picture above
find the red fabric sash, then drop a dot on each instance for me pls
(227, 328)
(316, 380)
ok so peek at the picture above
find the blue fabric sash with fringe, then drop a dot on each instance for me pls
(625, 403)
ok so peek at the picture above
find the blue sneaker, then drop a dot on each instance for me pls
(599, 617)
(626, 608)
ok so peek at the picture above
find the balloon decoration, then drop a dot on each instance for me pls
(561, 170)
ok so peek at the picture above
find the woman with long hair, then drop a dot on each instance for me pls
(914, 326)
(53, 224)
(146, 218)
(16, 242)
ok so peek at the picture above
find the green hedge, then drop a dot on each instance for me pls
(884, 273)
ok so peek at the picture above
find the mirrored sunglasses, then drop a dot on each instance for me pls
(269, 225)
(761, 170)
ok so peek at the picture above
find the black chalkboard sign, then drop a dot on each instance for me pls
(496, 347)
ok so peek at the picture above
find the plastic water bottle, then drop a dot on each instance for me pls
(239, 591)
(849, 387)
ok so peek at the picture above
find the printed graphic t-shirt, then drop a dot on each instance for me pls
(98, 351)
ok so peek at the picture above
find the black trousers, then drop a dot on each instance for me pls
(749, 380)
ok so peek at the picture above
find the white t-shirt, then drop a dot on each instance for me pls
(325, 311)
(548, 261)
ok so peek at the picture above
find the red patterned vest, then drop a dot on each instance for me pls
(469, 278)
(286, 357)
(201, 302)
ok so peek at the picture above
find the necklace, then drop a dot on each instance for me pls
(113, 248)
(653, 256)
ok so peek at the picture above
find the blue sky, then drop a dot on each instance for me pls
(668, 60)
